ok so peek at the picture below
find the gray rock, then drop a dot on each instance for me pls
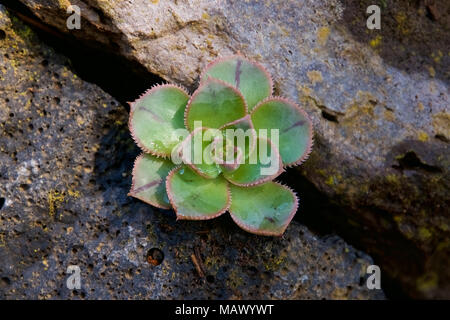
(379, 101)
(65, 162)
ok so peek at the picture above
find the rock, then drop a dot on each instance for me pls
(379, 101)
(65, 163)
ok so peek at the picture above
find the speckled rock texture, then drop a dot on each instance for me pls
(65, 163)
(379, 101)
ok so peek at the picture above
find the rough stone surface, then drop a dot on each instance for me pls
(379, 101)
(65, 162)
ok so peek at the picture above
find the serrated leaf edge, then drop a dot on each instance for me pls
(306, 154)
(250, 229)
(181, 217)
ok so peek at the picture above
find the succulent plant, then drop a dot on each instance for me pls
(234, 95)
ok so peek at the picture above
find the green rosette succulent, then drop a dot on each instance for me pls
(234, 94)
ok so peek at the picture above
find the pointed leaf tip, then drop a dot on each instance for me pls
(156, 118)
(214, 104)
(266, 209)
(294, 127)
(194, 197)
(148, 182)
(249, 77)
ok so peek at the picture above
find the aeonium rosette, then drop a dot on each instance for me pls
(220, 149)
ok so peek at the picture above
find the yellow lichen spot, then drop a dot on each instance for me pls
(285, 31)
(80, 120)
(431, 71)
(87, 170)
(375, 42)
(391, 178)
(54, 200)
(314, 76)
(424, 233)
(322, 35)
(69, 230)
(420, 106)
(74, 194)
(99, 247)
(95, 147)
(64, 4)
(330, 181)
(154, 1)
(389, 115)
(45, 263)
(2, 240)
(28, 105)
(275, 263)
(402, 21)
(422, 136)
(339, 294)
(427, 282)
(235, 279)
(437, 56)
(398, 219)
(303, 90)
(205, 16)
(441, 124)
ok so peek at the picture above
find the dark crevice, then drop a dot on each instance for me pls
(123, 79)
(210, 278)
(330, 117)
(324, 217)
(2, 203)
(441, 137)
(412, 37)
(410, 161)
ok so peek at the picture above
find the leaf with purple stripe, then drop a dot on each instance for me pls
(157, 117)
(149, 180)
(266, 209)
(293, 125)
(249, 77)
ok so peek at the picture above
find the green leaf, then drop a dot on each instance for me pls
(214, 103)
(194, 197)
(263, 164)
(293, 125)
(252, 80)
(156, 117)
(149, 177)
(200, 160)
(266, 209)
